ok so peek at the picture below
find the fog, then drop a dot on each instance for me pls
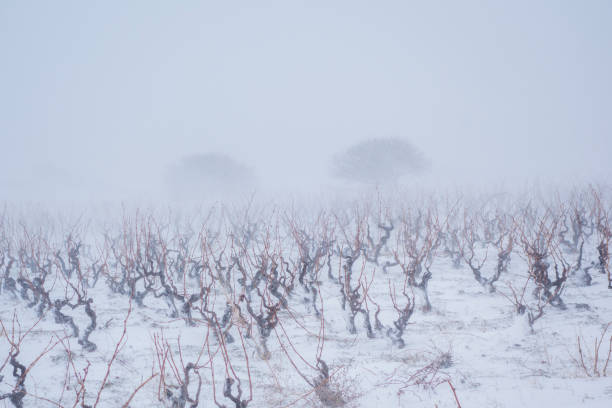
(99, 101)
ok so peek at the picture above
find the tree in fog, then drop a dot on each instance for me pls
(378, 160)
(206, 175)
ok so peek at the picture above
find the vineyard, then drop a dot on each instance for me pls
(426, 300)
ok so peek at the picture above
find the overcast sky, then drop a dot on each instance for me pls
(100, 98)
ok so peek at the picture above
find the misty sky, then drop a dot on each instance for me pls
(101, 98)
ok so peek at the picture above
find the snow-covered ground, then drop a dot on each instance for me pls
(471, 349)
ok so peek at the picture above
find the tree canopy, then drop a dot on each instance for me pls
(209, 173)
(378, 160)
